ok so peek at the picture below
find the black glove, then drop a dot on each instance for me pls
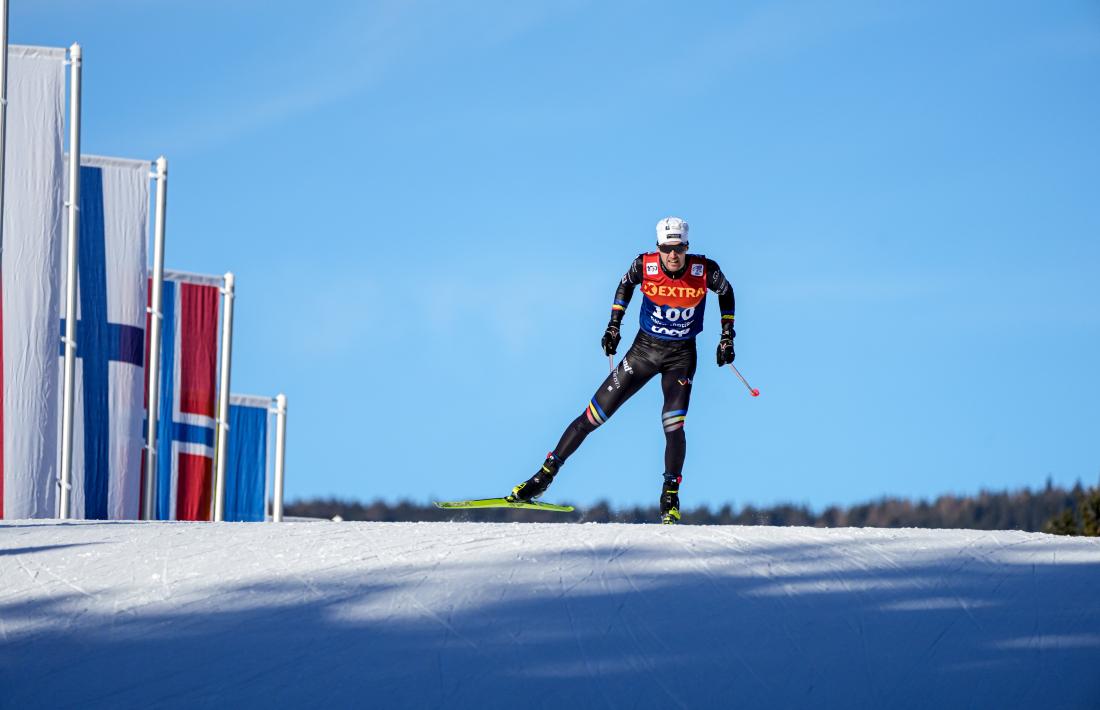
(725, 346)
(611, 338)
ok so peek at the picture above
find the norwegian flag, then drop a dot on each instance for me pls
(188, 386)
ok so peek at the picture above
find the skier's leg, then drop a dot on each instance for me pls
(677, 390)
(625, 380)
(676, 386)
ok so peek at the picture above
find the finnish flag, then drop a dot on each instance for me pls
(108, 443)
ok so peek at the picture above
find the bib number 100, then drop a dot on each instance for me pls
(673, 314)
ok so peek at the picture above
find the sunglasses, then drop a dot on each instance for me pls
(669, 248)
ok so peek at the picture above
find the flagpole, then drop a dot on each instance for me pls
(3, 109)
(156, 319)
(3, 148)
(280, 457)
(69, 392)
(223, 398)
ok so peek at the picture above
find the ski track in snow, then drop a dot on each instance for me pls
(544, 615)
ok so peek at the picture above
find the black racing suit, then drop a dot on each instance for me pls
(649, 355)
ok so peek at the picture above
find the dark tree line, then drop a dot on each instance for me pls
(1081, 518)
(1051, 509)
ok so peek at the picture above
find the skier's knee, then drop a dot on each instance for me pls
(674, 421)
(594, 414)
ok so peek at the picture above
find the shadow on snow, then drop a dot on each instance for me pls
(617, 627)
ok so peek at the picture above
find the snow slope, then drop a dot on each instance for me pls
(545, 615)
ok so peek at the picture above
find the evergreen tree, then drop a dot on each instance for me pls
(1080, 517)
(1065, 523)
(1090, 513)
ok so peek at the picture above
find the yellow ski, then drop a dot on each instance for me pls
(501, 503)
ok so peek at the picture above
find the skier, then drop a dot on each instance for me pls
(674, 286)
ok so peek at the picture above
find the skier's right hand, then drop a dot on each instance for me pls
(611, 338)
(725, 346)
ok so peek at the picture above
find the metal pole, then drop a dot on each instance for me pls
(3, 147)
(752, 390)
(69, 391)
(223, 398)
(156, 318)
(280, 457)
(3, 104)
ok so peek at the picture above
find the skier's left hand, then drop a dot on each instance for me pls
(610, 340)
(725, 347)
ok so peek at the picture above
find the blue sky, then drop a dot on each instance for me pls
(428, 206)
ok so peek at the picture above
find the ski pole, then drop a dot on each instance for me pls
(611, 362)
(753, 392)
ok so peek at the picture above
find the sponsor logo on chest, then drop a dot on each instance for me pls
(655, 290)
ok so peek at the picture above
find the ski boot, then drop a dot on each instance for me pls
(536, 485)
(670, 500)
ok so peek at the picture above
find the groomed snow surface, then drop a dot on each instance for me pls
(466, 615)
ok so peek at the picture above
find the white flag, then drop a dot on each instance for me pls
(29, 286)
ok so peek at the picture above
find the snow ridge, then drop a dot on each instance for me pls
(546, 615)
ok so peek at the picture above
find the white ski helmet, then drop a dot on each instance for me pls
(672, 230)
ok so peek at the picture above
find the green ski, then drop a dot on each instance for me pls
(501, 503)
